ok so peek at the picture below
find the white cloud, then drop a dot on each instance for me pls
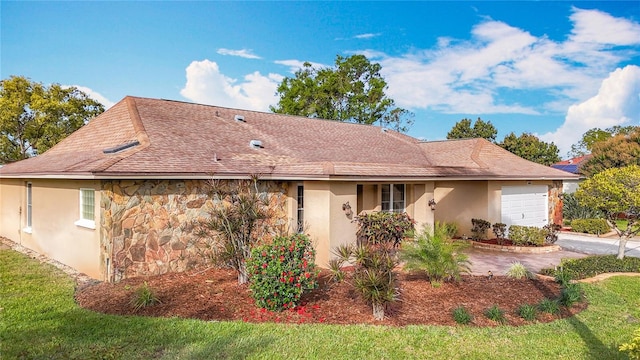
(593, 26)
(295, 65)
(94, 95)
(461, 76)
(367, 35)
(616, 103)
(207, 85)
(243, 53)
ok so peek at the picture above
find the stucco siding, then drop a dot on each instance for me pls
(55, 211)
(461, 201)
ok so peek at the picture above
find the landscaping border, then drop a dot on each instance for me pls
(515, 249)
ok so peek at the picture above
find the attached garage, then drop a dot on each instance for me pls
(525, 205)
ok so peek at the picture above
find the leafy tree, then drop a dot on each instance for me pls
(463, 130)
(596, 135)
(618, 151)
(615, 191)
(34, 117)
(529, 147)
(232, 225)
(351, 91)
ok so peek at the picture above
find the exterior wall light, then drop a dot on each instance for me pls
(432, 204)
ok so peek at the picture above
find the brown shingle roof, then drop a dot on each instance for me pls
(179, 139)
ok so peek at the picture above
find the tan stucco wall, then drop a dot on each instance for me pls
(461, 201)
(55, 209)
(327, 224)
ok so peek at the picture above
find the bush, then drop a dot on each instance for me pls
(527, 312)
(495, 313)
(519, 271)
(436, 254)
(143, 297)
(590, 226)
(526, 235)
(450, 228)
(570, 294)
(500, 230)
(383, 227)
(562, 277)
(571, 209)
(282, 271)
(462, 316)
(479, 228)
(632, 348)
(549, 306)
(551, 233)
(598, 264)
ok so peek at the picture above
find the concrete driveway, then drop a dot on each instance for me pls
(573, 246)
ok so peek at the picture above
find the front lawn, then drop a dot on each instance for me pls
(39, 319)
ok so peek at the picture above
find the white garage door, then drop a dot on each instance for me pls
(525, 205)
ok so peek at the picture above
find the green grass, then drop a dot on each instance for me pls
(39, 319)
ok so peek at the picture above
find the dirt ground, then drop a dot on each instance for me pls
(214, 295)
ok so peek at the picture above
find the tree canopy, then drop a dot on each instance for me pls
(597, 135)
(529, 147)
(34, 117)
(463, 130)
(614, 191)
(618, 151)
(353, 90)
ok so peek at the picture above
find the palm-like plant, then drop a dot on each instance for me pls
(436, 254)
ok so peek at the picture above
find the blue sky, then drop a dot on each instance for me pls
(555, 69)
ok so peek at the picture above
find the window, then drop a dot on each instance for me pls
(393, 197)
(300, 214)
(87, 206)
(29, 208)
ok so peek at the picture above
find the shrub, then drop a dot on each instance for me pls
(570, 294)
(373, 277)
(519, 271)
(500, 230)
(571, 209)
(479, 228)
(598, 264)
(383, 227)
(335, 266)
(495, 313)
(436, 254)
(632, 348)
(549, 306)
(562, 277)
(526, 235)
(144, 296)
(527, 312)
(450, 228)
(551, 233)
(462, 316)
(590, 226)
(282, 271)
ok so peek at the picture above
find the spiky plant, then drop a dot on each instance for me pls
(518, 271)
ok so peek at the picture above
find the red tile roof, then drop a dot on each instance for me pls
(185, 140)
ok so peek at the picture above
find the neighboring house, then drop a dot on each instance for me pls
(572, 166)
(115, 198)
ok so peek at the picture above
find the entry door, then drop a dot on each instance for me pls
(525, 205)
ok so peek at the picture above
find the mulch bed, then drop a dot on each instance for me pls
(214, 295)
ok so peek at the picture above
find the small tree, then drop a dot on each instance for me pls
(615, 191)
(240, 210)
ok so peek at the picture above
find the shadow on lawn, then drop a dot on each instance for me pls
(597, 350)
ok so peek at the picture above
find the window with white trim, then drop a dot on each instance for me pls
(87, 209)
(393, 197)
(300, 213)
(29, 208)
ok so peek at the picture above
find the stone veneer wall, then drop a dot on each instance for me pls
(555, 202)
(145, 224)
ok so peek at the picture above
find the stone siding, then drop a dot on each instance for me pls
(555, 202)
(147, 225)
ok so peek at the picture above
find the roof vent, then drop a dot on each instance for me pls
(122, 147)
(239, 118)
(256, 144)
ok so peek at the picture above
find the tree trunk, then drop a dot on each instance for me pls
(243, 277)
(622, 247)
(378, 311)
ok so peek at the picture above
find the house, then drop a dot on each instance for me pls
(113, 199)
(572, 166)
